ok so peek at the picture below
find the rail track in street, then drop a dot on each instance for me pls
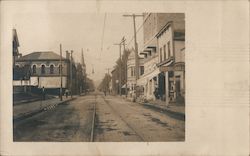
(93, 126)
(128, 125)
(93, 121)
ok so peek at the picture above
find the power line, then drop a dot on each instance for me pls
(103, 30)
(132, 38)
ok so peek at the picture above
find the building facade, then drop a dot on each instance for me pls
(171, 46)
(163, 51)
(131, 73)
(45, 70)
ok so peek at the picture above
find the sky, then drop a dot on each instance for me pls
(45, 31)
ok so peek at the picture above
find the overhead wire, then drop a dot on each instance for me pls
(103, 30)
(132, 38)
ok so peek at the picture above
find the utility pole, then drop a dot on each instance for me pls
(71, 71)
(126, 72)
(120, 71)
(136, 48)
(108, 82)
(60, 70)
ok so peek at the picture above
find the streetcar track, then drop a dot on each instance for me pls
(93, 122)
(142, 139)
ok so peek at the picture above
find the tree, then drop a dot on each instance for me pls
(120, 67)
(104, 85)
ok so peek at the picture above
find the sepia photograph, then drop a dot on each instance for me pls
(108, 77)
(124, 78)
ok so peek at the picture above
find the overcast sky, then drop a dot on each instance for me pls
(43, 31)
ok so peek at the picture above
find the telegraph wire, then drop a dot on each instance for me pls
(103, 30)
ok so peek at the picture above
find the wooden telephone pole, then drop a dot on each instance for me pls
(136, 48)
(120, 72)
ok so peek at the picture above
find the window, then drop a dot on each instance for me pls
(141, 70)
(168, 48)
(34, 69)
(132, 72)
(51, 69)
(164, 52)
(160, 54)
(60, 68)
(43, 69)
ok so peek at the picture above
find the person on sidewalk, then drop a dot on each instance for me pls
(66, 93)
(43, 93)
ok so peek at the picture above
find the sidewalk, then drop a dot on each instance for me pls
(30, 108)
(172, 108)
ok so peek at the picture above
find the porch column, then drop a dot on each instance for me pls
(166, 88)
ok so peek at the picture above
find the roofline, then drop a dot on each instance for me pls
(146, 17)
(164, 28)
(22, 60)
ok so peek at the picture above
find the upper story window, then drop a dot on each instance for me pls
(43, 69)
(168, 48)
(141, 70)
(164, 52)
(132, 71)
(51, 69)
(160, 54)
(34, 69)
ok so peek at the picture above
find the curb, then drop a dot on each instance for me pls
(27, 101)
(174, 114)
(32, 113)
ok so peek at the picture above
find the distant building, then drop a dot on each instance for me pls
(114, 81)
(131, 77)
(44, 68)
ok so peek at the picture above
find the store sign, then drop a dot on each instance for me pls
(166, 68)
